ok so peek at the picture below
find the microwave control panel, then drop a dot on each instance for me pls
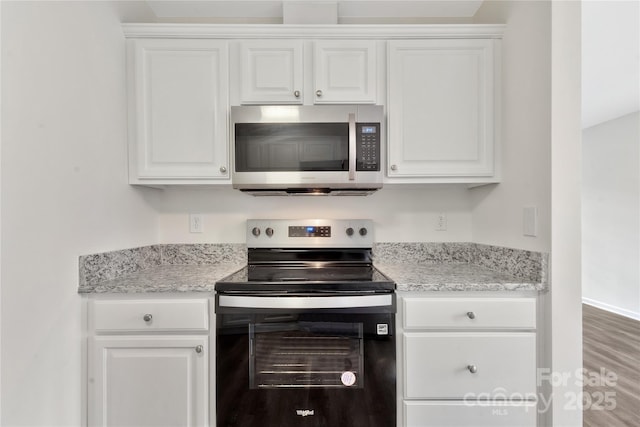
(368, 146)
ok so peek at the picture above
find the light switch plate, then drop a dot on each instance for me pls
(441, 222)
(530, 221)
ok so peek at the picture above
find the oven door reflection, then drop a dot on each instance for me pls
(306, 369)
(306, 354)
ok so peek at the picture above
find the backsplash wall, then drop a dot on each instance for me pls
(400, 214)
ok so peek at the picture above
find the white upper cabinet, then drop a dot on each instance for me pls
(306, 72)
(271, 72)
(441, 110)
(178, 107)
(440, 86)
(345, 71)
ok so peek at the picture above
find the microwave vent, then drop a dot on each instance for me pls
(310, 191)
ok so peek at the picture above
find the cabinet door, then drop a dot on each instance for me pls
(469, 365)
(179, 110)
(148, 381)
(271, 72)
(440, 109)
(345, 72)
(469, 313)
(469, 413)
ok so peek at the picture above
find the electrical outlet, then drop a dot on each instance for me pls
(441, 222)
(196, 223)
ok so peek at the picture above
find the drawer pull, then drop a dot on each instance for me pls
(471, 315)
(147, 317)
(472, 368)
(199, 349)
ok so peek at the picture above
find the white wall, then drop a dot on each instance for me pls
(565, 308)
(610, 215)
(497, 213)
(400, 214)
(541, 157)
(64, 194)
(610, 60)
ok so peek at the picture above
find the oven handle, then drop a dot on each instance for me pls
(305, 302)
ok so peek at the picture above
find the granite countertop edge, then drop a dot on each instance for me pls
(409, 277)
(456, 277)
(165, 279)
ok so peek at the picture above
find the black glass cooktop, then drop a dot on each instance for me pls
(307, 278)
(303, 270)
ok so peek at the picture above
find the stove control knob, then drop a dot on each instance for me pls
(269, 231)
(363, 231)
(255, 231)
(349, 231)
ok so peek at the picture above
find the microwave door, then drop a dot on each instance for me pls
(293, 147)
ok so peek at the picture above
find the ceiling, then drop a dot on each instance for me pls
(610, 37)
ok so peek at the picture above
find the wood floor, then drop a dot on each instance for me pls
(611, 354)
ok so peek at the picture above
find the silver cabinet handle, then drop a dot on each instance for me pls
(199, 349)
(318, 93)
(223, 169)
(394, 167)
(472, 368)
(296, 94)
(147, 317)
(471, 315)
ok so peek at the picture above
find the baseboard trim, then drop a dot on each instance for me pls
(611, 308)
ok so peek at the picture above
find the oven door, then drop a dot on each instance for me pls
(304, 363)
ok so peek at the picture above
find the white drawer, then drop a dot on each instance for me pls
(465, 414)
(469, 313)
(160, 315)
(438, 364)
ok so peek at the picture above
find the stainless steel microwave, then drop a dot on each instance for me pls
(299, 150)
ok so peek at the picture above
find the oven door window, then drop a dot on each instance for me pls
(291, 147)
(306, 355)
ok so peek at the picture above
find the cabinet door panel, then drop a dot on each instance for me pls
(345, 71)
(465, 414)
(437, 364)
(441, 108)
(166, 315)
(180, 106)
(148, 381)
(469, 313)
(271, 72)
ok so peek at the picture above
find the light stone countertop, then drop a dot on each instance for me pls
(454, 277)
(408, 277)
(413, 266)
(165, 278)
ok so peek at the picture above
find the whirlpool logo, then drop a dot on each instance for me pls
(305, 412)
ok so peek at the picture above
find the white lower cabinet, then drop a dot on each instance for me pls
(467, 361)
(469, 414)
(450, 365)
(148, 365)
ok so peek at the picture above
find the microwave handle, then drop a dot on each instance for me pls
(352, 147)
